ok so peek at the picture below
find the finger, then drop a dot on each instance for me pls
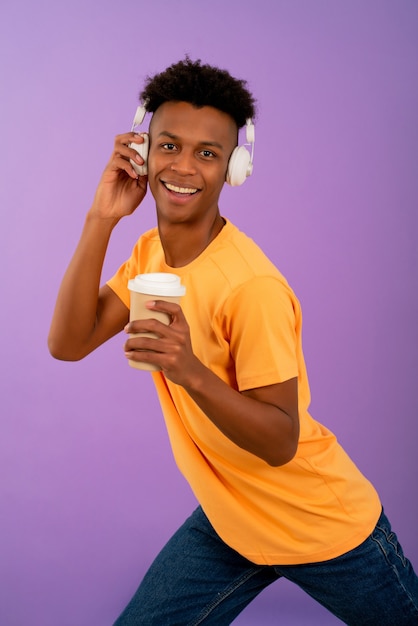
(143, 357)
(151, 325)
(170, 308)
(122, 145)
(127, 153)
(120, 163)
(158, 352)
(127, 138)
(144, 344)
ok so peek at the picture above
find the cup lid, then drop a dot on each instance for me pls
(157, 284)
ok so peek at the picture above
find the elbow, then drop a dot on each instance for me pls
(277, 460)
(283, 454)
(61, 352)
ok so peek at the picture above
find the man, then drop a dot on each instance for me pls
(278, 494)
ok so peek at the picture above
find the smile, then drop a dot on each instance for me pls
(183, 190)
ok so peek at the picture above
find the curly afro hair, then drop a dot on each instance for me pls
(200, 85)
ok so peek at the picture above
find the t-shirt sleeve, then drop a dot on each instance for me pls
(119, 281)
(145, 257)
(263, 325)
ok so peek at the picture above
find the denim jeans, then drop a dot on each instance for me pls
(198, 579)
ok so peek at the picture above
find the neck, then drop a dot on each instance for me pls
(184, 242)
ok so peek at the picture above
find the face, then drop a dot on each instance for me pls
(188, 160)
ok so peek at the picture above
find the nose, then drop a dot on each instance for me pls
(183, 163)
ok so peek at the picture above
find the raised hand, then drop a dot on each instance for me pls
(120, 189)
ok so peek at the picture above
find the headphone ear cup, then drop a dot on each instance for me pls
(142, 149)
(238, 166)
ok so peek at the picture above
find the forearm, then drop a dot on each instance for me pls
(76, 309)
(259, 427)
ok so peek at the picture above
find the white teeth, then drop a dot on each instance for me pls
(185, 190)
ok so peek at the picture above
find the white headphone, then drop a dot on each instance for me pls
(141, 148)
(240, 164)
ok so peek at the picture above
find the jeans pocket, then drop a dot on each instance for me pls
(388, 543)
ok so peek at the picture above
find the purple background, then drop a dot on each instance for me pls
(89, 490)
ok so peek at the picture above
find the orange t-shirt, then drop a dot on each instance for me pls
(245, 324)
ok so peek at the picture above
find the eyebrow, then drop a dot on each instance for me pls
(213, 144)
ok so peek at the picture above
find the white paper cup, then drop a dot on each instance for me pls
(145, 287)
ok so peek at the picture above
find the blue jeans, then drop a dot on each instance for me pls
(198, 579)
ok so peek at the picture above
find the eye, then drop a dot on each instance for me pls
(168, 146)
(208, 154)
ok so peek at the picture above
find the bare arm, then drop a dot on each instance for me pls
(86, 315)
(264, 421)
